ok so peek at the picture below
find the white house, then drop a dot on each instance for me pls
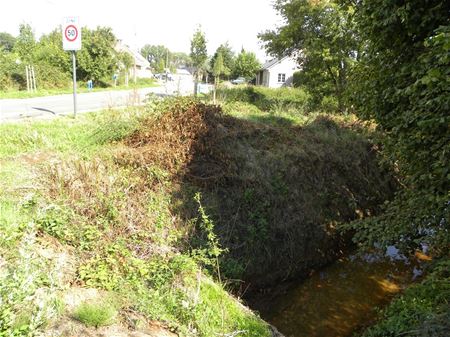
(141, 67)
(277, 73)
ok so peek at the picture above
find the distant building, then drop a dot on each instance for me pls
(141, 68)
(277, 73)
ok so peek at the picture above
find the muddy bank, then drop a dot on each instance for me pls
(275, 194)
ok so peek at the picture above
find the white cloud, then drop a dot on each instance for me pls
(167, 22)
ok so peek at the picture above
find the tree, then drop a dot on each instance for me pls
(97, 59)
(126, 61)
(199, 56)
(218, 69)
(403, 83)
(25, 44)
(321, 35)
(227, 55)
(7, 41)
(24, 48)
(159, 67)
(158, 56)
(246, 65)
(180, 59)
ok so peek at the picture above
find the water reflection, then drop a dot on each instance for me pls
(341, 298)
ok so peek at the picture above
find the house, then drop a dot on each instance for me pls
(277, 73)
(141, 67)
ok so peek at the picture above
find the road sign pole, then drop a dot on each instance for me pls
(74, 62)
(71, 38)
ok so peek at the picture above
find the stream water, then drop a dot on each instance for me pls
(342, 298)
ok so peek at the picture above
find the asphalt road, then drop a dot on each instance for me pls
(48, 106)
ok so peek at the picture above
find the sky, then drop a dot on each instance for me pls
(139, 22)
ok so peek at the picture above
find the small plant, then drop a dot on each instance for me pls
(92, 314)
(210, 251)
(53, 221)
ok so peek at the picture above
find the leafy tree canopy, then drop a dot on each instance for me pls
(227, 56)
(25, 43)
(246, 65)
(321, 35)
(126, 61)
(219, 67)
(199, 53)
(158, 56)
(97, 59)
(403, 83)
(7, 41)
(180, 59)
(49, 50)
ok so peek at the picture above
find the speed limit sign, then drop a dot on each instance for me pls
(71, 33)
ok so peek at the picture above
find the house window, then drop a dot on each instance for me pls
(281, 78)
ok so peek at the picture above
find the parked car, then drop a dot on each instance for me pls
(239, 80)
(164, 76)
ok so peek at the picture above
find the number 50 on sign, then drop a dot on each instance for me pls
(71, 33)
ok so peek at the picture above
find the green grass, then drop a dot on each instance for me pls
(251, 112)
(65, 135)
(59, 135)
(81, 88)
(219, 313)
(267, 99)
(95, 314)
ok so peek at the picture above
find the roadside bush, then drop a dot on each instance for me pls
(329, 104)
(51, 77)
(10, 74)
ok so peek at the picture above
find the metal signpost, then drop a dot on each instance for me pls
(71, 36)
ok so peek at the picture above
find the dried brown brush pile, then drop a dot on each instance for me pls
(190, 140)
(169, 140)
